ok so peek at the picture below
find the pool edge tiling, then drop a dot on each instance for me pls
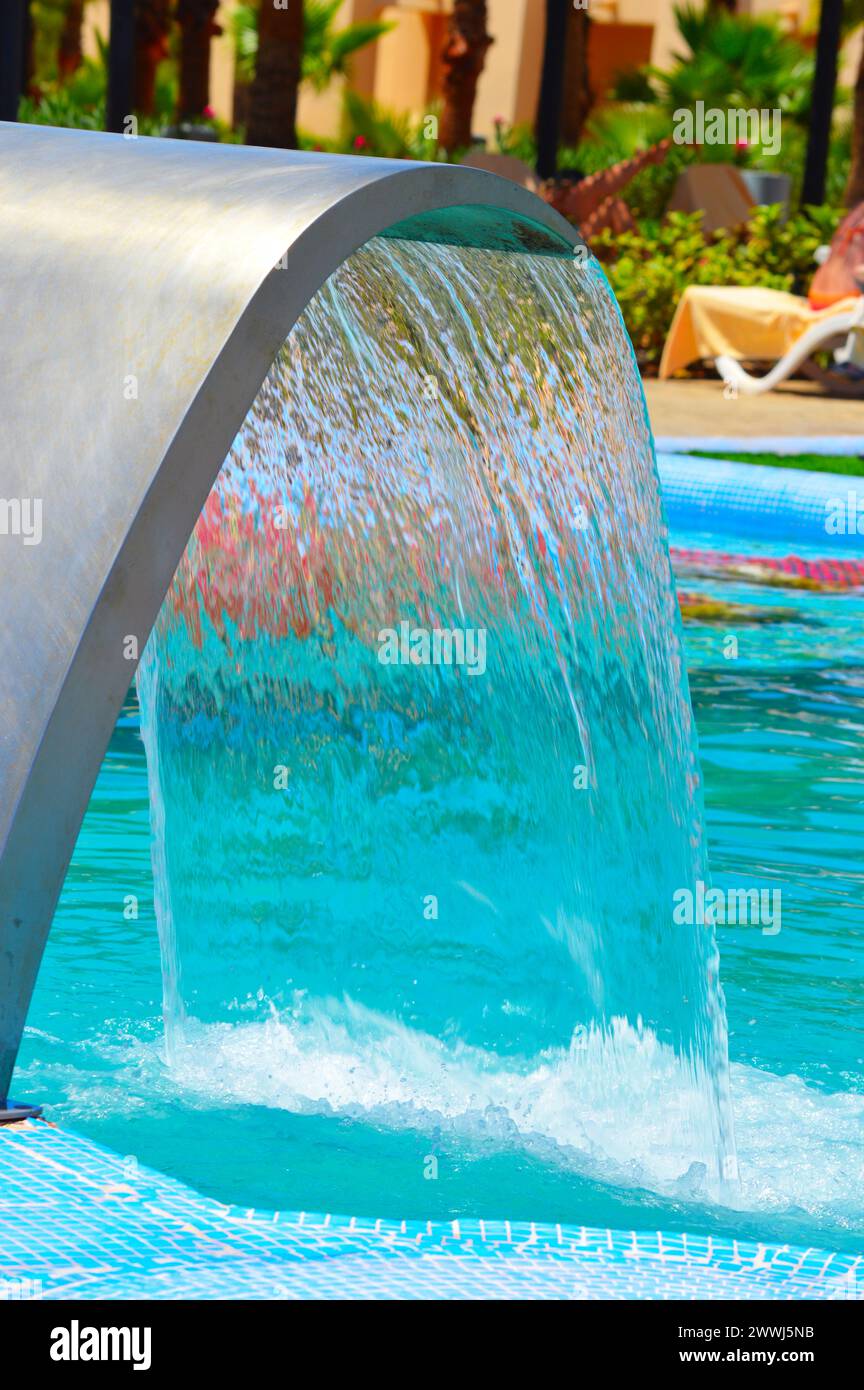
(80, 1222)
(721, 444)
(750, 499)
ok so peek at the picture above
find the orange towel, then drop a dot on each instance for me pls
(717, 320)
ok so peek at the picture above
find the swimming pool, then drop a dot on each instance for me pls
(453, 433)
(780, 729)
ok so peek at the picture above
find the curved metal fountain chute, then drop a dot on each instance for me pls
(146, 286)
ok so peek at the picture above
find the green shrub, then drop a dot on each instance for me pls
(632, 84)
(516, 140)
(368, 128)
(80, 101)
(616, 133)
(736, 61)
(649, 270)
(59, 109)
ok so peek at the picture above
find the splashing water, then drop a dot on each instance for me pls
(421, 753)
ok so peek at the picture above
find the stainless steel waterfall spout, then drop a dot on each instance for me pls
(146, 287)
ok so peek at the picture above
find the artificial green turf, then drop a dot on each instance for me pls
(818, 463)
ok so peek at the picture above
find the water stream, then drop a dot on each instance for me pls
(422, 760)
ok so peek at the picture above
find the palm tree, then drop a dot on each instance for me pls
(197, 20)
(737, 61)
(273, 98)
(593, 203)
(464, 57)
(578, 96)
(327, 51)
(152, 26)
(69, 52)
(853, 18)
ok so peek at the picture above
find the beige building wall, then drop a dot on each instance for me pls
(404, 60)
(97, 20)
(510, 81)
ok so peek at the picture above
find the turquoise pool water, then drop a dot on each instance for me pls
(417, 953)
(781, 734)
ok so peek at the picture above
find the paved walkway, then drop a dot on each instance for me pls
(698, 407)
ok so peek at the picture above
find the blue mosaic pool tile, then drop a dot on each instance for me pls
(75, 1224)
(789, 504)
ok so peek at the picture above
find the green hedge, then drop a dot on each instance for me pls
(650, 269)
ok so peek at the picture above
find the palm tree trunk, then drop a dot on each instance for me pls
(855, 183)
(593, 201)
(69, 52)
(152, 26)
(273, 98)
(197, 27)
(464, 57)
(578, 97)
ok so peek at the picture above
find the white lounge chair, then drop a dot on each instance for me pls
(846, 328)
